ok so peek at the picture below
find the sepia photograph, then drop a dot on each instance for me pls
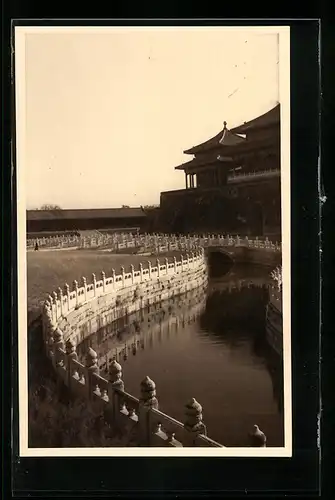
(153, 215)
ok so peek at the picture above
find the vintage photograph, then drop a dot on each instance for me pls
(153, 195)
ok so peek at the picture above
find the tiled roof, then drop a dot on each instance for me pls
(203, 160)
(271, 117)
(223, 138)
(94, 213)
(254, 145)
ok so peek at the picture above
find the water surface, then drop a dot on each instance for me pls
(209, 344)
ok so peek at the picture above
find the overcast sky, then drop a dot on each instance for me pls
(108, 114)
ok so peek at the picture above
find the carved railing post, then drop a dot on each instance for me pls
(175, 264)
(149, 267)
(166, 265)
(193, 425)
(123, 273)
(51, 305)
(85, 288)
(141, 272)
(55, 301)
(257, 438)
(113, 275)
(75, 289)
(103, 277)
(116, 383)
(132, 273)
(58, 343)
(71, 354)
(94, 281)
(158, 269)
(49, 327)
(148, 401)
(60, 297)
(67, 293)
(115, 375)
(91, 368)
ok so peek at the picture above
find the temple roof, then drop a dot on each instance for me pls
(271, 117)
(94, 213)
(254, 145)
(203, 160)
(224, 138)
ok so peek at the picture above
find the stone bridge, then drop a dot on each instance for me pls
(238, 249)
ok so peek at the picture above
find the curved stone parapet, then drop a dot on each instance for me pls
(104, 300)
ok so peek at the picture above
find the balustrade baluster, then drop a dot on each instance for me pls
(193, 425)
(91, 369)
(148, 400)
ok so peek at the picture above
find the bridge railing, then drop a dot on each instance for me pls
(157, 243)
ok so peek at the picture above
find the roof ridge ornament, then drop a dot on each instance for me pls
(225, 130)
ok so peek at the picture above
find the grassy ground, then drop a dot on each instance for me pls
(55, 419)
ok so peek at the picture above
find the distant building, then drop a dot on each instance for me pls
(232, 183)
(85, 219)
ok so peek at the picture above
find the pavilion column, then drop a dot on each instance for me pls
(186, 180)
(191, 179)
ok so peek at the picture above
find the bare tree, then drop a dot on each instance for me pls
(49, 207)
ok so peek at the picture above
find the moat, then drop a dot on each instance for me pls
(208, 344)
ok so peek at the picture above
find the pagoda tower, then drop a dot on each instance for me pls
(210, 166)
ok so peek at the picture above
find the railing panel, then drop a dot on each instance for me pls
(161, 422)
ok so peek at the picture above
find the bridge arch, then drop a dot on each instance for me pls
(220, 260)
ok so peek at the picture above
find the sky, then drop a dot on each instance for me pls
(110, 112)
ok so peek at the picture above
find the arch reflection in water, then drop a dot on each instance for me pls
(208, 344)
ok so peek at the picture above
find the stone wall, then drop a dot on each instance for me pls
(88, 317)
(247, 205)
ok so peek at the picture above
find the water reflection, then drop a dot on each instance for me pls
(209, 344)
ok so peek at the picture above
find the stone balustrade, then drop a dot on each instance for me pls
(157, 243)
(141, 416)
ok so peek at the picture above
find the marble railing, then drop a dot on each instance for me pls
(157, 243)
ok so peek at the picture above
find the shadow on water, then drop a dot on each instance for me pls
(219, 264)
(209, 344)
